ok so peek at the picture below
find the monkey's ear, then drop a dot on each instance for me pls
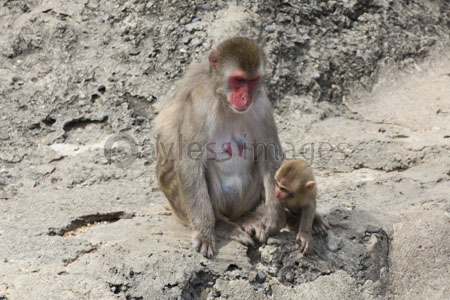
(214, 58)
(310, 185)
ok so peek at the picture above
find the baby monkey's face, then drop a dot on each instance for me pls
(294, 181)
(282, 193)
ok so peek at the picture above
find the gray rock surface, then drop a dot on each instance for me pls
(360, 89)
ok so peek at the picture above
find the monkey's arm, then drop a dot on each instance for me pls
(269, 162)
(198, 204)
(304, 234)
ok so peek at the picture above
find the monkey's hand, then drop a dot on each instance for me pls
(205, 244)
(306, 242)
(255, 228)
(274, 219)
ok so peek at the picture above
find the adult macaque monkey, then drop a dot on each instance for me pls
(296, 188)
(218, 148)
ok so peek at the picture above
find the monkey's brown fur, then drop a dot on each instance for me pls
(245, 52)
(296, 177)
(210, 196)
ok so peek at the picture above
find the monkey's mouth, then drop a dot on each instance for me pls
(282, 200)
(240, 108)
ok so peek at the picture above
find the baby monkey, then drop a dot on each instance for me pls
(296, 189)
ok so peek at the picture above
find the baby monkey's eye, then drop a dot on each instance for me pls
(284, 190)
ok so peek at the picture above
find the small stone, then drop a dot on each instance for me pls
(186, 39)
(140, 119)
(269, 28)
(34, 126)
(261, 276)
(196, 42)
(334, 244)
(273, 241)
(206, 6)
(289, 276)
(272, 271)
(12, 180)
(35, 177)
(313, 53)
(381, 129)
(373, 229)
(272, 250)
(191, 27)
(252, 276)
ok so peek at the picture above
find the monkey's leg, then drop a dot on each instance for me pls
(292, 221)
(251, 223)
(320, 226)
(232, 231)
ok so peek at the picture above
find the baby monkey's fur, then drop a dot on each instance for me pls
(296, 188)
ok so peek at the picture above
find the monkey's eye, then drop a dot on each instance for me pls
(284, 190)
(239, 79)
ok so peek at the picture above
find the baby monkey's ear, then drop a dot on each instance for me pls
(310, 185)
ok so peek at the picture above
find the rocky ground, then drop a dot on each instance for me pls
(361, 88)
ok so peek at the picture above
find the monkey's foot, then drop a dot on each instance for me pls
(206, 246)
(306, 242)
(253, 226)
(320, 226)
(232, 231)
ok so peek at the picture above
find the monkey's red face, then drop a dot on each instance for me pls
(242, 89)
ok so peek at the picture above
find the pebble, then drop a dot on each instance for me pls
(35, 177)
(186, 39)
(196, 42)
(373, 229)
(34, 126)
(261, 276)
(140, 118)
(269, 28)
(191, 27)
(289, 276)
(272, 271)
(314, 54)
(206, 6)
(273, 241)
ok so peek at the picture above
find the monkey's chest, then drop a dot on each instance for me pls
(231, 148)
(234, 168)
